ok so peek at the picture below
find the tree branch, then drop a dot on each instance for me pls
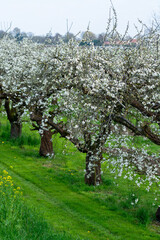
(138, 105)
(142, 131)
(65, 134)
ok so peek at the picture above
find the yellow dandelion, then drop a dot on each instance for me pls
(2, 142)
(18, 188)
(89, 231)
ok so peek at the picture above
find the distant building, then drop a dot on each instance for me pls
(132, 42)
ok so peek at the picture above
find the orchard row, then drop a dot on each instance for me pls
(84, 93)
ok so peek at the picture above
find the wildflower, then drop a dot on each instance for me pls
(72, 174)
(18, 188)
(89, 231)
(9, 177)
(5, 172)
(2, 142)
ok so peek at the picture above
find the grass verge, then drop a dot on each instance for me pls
(56, 187)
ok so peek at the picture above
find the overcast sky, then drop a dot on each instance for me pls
(41, 16)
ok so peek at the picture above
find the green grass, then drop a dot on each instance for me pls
(55, 187)
(17, 221)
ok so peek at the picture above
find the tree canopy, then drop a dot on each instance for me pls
(82, 91)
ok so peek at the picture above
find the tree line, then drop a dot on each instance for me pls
(48, 38)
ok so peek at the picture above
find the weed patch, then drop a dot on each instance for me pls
(18, 221)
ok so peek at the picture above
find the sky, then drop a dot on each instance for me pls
(43, 16)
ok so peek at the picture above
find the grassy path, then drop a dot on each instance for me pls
(75, 212)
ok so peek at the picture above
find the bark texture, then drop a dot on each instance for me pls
(16, 129)
(14, 119)
(46, 147)
(93, 168)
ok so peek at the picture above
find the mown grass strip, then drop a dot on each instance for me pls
(71, 211)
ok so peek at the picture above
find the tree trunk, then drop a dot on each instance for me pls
(46, 147)
(14, 118)
(93, 168)
(16, 129)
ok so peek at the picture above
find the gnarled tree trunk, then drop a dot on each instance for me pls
(46, 147)
(93, 168)
(14, 119)
(16, 129)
